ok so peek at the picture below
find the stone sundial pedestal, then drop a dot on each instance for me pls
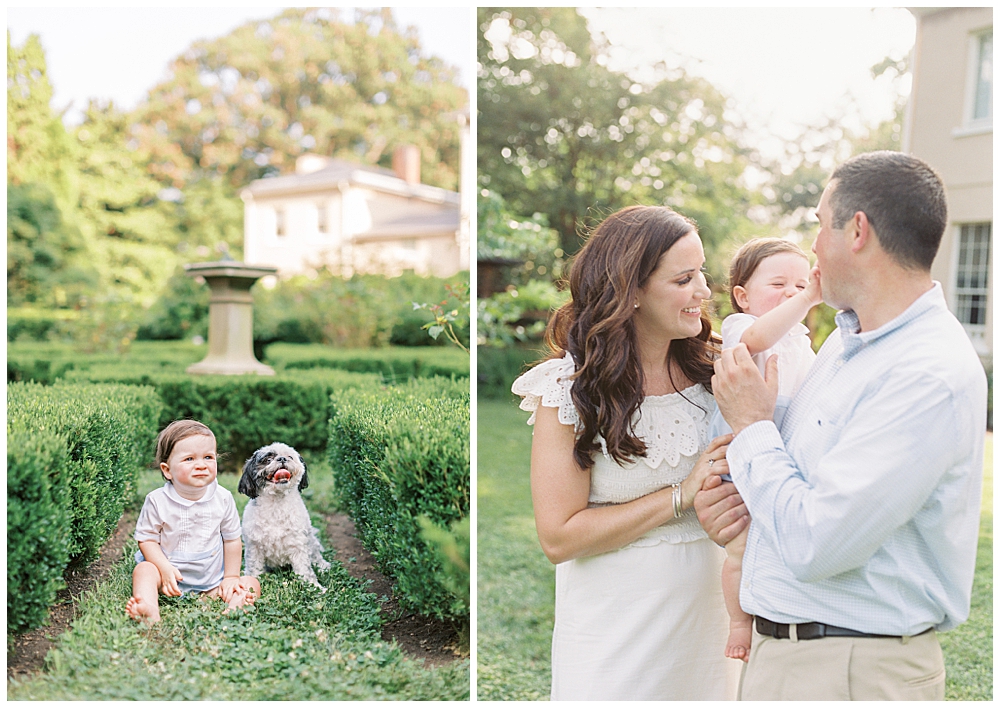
(230, 317)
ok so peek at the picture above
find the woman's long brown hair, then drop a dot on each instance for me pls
(596, 326)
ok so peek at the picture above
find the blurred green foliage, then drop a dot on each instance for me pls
(101, 215)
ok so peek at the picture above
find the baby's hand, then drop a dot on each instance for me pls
(814, 290)
(230, 588)
(169, 577)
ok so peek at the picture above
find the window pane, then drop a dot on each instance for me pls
(972, 273)
(984, 79)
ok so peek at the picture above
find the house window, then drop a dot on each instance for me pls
(972, 276)
(322, 223)
(280, 227)
(982, 106)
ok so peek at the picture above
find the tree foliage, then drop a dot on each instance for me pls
(246, 105)
(134, 194)
(561, 134)
(45, 256)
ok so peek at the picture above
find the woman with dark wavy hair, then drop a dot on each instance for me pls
(621, 413)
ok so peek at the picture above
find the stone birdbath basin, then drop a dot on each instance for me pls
(230, 317)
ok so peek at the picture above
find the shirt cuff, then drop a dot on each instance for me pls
(762, 436)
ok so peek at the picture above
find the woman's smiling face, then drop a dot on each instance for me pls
(670, 301)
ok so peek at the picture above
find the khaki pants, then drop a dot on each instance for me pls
(844, 669)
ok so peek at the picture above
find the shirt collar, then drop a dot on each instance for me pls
(173, 495)
(849, 324)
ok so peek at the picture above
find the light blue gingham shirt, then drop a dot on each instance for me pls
(865, 507)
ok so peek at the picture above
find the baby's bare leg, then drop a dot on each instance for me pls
(740, 623)
(144, 605)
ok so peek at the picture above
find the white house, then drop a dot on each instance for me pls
(949, 123)
(353, 218)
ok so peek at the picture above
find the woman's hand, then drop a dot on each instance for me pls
(712, 462)
(169, 577)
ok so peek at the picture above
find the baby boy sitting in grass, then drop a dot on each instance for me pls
(188, 530)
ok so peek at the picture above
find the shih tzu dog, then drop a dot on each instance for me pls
(276, 527)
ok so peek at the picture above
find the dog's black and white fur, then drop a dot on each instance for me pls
(276, 526)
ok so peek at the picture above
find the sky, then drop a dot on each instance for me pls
(122, 52)
(785, 67)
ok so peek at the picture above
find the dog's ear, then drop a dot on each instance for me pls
(304, 482)
(248, 482)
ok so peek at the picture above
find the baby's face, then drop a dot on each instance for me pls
(192, 466)
(776, 279)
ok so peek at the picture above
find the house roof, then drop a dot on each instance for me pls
(337, 172)
(414, 226)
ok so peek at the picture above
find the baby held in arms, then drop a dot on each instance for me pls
(771, 288)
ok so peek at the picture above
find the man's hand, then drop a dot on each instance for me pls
(744, 397)
(720, 509)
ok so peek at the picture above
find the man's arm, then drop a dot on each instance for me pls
(881, 467)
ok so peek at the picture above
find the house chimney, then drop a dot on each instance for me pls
(309, 162)
(406, 163)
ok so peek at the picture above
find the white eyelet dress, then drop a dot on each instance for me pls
(647, 621)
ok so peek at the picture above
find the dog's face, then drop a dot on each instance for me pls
(277, 467)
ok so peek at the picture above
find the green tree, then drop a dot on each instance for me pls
(38, 147)
(131, 232)
(561, 134)
(246, 105)
(45, 256)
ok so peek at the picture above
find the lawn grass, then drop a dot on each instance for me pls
(516, 583)
(296, 644)
(968, 649)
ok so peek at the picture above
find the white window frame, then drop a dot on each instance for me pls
(976, 332)
(970, 125)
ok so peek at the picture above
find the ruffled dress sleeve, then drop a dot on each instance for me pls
(549, 384)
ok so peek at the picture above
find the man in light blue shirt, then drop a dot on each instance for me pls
(866, 506)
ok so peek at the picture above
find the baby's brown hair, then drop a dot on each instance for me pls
(173, 434)
(750, 256)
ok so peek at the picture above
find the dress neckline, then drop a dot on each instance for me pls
(663, 396)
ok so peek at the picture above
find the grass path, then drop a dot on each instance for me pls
(516, 583)
(296, 644)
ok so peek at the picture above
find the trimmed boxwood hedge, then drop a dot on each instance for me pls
(398, 455)
(72, 457)
(38, 522)
(244, 412)
(393, 363)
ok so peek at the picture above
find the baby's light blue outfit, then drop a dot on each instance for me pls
(795, 358)
(190, 533)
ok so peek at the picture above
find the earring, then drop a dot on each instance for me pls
(636, 307)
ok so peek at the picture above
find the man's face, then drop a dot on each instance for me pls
(831, 252)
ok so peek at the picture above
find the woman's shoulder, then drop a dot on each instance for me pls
(549, 384)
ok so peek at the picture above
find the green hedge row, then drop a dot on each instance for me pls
(244, 412)
(72, 456)
(393, 363)
(497, 367)
(399, 455)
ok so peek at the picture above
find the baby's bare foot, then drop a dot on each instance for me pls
(738, 644)
(140, 611)
(239, 599)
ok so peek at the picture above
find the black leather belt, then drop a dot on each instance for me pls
(810, 630)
